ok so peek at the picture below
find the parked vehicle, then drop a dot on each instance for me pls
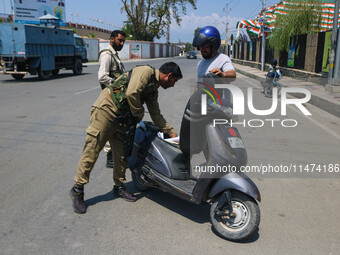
(272, 78)
(39, 50)
(191, 54)
(157, 163)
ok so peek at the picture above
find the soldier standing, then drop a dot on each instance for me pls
(110, 67)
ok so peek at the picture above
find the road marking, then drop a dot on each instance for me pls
(84, 91)
(327, 129)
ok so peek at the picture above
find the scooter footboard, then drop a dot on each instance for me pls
(236, 181)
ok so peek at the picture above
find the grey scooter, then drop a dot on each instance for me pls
(154, 162)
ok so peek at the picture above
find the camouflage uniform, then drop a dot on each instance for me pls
(110, 67)
(104, 124)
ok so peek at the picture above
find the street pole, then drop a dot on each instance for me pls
(227, 28)
(335, 80)
(333, 44)
(232, 48)
(263, 35)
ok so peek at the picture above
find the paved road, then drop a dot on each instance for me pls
(43, 124)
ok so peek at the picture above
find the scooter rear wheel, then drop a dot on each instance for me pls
(268, 90)
(243, 221)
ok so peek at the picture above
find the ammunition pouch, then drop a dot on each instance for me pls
(128, 133)
(118, 92)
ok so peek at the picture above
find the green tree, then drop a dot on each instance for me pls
(188, 47)
(302, 18)
(196, 31)
(128, 29)
(151, 18)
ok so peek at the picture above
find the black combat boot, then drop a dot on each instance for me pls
(124, 193)
(109, 160)
(77, 196)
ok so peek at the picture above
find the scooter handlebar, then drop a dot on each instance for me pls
(228, 112)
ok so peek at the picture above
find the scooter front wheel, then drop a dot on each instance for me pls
(243, 221)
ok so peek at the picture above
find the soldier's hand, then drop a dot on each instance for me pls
(174, 135)
(139, 119)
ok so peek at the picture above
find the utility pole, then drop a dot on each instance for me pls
(232, 48)
(227, 27)
(333, 43)
(333, 75)
(263, 51)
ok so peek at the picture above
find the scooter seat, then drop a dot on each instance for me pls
(177, 163)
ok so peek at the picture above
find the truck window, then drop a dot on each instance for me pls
(79, 42)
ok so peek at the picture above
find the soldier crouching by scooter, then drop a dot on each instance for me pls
(113, 118)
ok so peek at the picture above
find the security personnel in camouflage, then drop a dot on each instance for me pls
(108, 122)
(111, 67)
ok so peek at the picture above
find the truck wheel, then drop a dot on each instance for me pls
(55, 72)
(44, 75)
(77, 67)
(18, 76)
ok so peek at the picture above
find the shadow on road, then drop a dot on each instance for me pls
(253, 238)
(196, 213)
(101, 198)
(109, 196)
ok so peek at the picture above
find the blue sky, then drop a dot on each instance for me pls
(208, 12)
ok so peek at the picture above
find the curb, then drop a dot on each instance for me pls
(249, 74)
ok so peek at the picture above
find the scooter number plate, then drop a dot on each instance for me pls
(235, 142)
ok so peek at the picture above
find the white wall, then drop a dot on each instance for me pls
(146, 50)
(156, 50)
(123, 54)
(92, 49)
(132, 46)
(103, 45)
(135, 50)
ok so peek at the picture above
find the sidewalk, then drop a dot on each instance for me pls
(327, 101)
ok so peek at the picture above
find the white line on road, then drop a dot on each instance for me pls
(84, 91)
(330, 131)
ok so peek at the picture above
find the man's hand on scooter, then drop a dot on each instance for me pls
(216, 71)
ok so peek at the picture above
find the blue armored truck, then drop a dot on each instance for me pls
(39, 50)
